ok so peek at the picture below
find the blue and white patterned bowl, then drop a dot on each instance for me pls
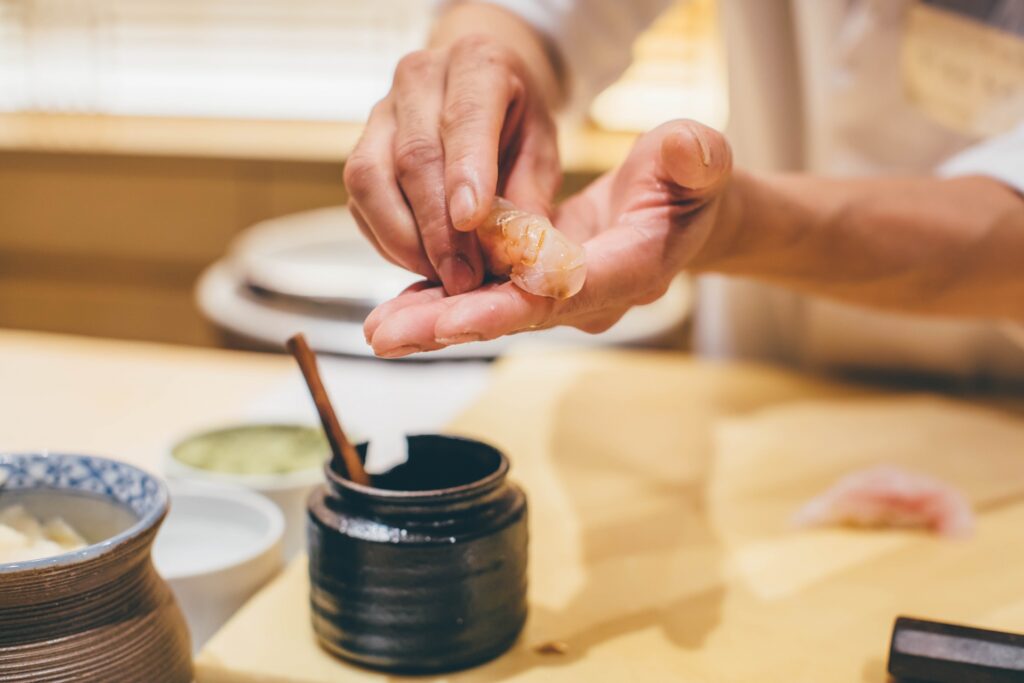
(107, 501)
(101, 613)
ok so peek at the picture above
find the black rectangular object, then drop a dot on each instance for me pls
(932, 651)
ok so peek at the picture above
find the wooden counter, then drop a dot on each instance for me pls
(124, 400)
(661, 491)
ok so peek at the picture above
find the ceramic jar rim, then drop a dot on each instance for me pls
(153, 515)
(476, 487)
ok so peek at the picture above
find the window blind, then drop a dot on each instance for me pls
(278, 59)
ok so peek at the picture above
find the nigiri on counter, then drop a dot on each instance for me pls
(887, 496)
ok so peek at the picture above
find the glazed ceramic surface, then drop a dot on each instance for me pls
(101, 613)
(424, 570)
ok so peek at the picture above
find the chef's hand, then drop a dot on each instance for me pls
(460, 123)
(640, 224)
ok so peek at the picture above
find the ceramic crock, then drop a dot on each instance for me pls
(99, 614)
(425, 569)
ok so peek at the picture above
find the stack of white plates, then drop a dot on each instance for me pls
(313, 272)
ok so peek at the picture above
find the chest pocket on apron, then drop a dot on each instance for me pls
(962, 63)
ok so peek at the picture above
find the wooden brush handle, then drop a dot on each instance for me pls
(345, 453)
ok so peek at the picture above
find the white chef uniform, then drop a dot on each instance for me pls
(841, 87)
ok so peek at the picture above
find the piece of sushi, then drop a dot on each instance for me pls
(888, 496)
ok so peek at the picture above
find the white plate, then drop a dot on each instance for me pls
(229, 304)
(318, 255)
(326, 278)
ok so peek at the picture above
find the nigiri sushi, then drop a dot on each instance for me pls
(887, 496)
(534, 254)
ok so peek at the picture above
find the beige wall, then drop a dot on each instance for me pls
(111, 245)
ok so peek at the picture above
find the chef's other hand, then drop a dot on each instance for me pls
(640, 224)
(460, 124)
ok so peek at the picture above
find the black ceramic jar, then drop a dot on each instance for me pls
(425, 569)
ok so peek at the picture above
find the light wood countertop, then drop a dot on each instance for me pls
(125, 400)
(660, 489)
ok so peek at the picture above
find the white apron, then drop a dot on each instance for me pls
(858, 87)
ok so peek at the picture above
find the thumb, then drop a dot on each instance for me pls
(695, 157)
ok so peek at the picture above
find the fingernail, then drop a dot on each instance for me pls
(463, 338)
(457, 274)
(463, 205)
(705, 149)
(400, 351)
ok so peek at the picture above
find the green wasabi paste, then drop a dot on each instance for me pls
(256, 449)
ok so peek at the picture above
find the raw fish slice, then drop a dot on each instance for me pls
(534, 254)
(887, 496)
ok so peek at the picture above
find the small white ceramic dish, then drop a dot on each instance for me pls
(217, 547)
(288, 490)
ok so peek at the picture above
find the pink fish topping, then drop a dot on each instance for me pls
(887, 496)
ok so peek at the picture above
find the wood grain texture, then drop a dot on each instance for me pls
(112, 245)
(661, 490)
(109, 619)
(125, 400)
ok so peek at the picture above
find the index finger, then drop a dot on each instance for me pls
(419, 165)
(480, 88)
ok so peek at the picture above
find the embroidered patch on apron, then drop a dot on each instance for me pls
(963, 63)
